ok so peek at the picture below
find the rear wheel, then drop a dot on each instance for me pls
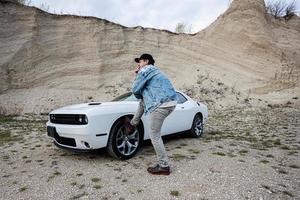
(124, 140)
(197, 127)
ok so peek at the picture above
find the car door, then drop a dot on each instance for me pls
(180, 119)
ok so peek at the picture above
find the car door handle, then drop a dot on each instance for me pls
(182, 107)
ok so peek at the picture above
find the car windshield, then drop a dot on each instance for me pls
(126, 97)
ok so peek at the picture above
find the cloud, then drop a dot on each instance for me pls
(162, 14)
(156, 13)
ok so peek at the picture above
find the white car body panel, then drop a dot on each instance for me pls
(102, 117)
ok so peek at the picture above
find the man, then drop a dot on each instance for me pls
(157, 98)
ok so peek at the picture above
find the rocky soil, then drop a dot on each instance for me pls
(245, 153)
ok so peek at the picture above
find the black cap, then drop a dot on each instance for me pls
(145, 56)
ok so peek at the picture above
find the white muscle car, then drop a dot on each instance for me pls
(96, 125)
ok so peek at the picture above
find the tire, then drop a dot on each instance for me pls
(197, 126)
(121, 143)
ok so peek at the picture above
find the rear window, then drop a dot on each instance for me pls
(180, 98)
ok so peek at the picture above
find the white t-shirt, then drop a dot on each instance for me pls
(168, 104)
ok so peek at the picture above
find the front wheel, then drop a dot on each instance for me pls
(197, 127)
(124, 140)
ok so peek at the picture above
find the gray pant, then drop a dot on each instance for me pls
(157, 118)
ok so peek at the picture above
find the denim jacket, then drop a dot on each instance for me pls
(153, 87)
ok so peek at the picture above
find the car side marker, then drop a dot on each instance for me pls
(102, 134)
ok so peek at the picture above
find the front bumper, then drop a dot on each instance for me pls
(74, 149)
(77, 137)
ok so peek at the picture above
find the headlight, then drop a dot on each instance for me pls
(82, 119)
(86, 119)
(74, 119)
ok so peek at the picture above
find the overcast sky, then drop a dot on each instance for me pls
(162, 14)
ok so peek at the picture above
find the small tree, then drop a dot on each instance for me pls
(180, 27)
(44, 7)
(281, 8)
(183, 28)
(24, 2)
(290, 10)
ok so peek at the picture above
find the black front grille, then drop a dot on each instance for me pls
(73, 119)
(61, 140)
(65, 141)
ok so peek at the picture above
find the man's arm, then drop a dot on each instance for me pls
(138, 84)
(138, 114)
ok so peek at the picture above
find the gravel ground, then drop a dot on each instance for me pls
(245, 153)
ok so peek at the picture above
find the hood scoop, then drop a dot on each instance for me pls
(94, 103)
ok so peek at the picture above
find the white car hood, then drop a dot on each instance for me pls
(85, 107)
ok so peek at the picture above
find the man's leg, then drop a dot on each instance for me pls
(157, 118)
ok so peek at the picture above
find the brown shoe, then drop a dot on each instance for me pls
(158, 170)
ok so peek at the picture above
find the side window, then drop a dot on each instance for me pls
(180, 98)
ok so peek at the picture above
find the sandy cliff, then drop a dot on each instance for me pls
(47, 60)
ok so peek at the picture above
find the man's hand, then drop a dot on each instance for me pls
(130, 128)
(137, 70)
(134, 122)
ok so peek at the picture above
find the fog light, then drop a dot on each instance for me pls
(86, 144)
